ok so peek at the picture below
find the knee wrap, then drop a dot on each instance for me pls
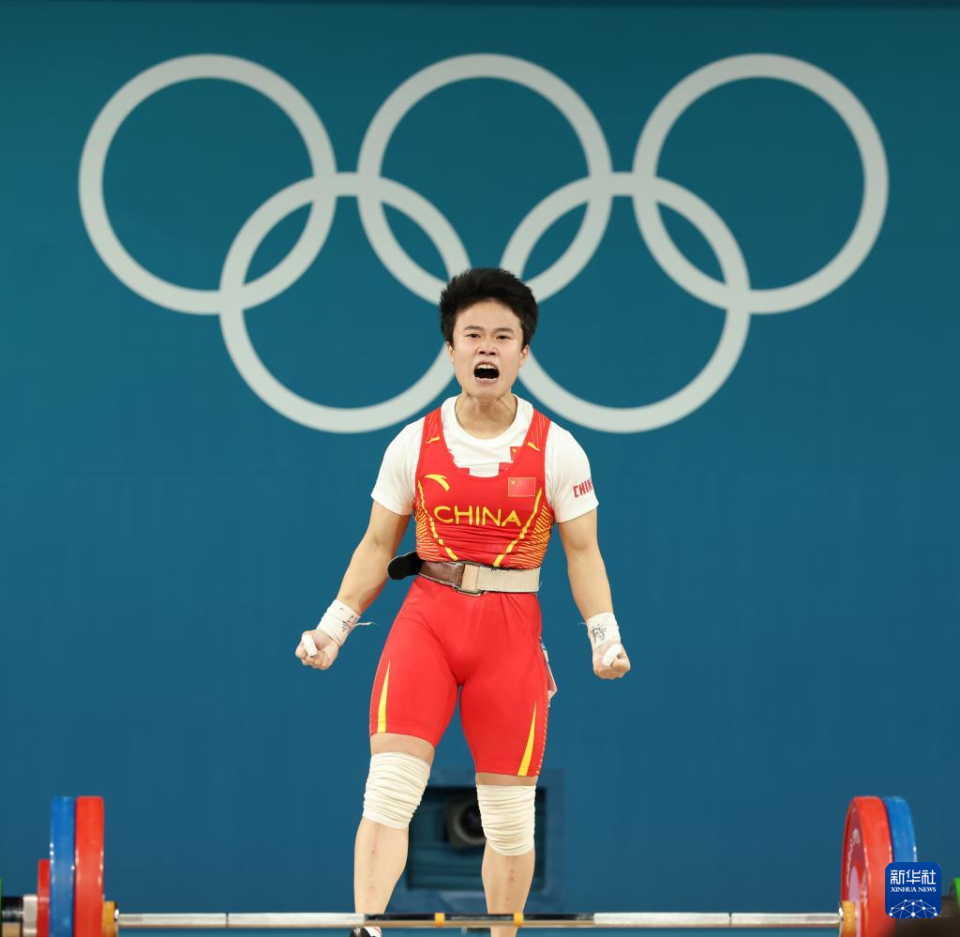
(507, 814)
(395, 784)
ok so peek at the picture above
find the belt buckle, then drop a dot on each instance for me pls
(470, 577)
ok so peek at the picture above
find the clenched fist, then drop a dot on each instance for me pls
(610, 660)
(317, 649)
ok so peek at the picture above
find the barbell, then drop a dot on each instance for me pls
(69, 901)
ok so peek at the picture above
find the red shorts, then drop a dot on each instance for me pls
(488, 646)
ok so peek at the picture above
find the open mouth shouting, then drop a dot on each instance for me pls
(486, 373)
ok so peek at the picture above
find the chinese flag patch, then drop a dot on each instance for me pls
(521, 487)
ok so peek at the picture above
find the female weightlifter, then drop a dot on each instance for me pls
(486, 476)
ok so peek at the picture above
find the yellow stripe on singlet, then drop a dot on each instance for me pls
(382, 711)
(528, 754)
(523, 532)
(433, 527)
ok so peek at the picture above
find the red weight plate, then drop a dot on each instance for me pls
(867, 851)
(43, 898)
(88, 878)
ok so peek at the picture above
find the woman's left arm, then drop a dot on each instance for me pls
(591, 592)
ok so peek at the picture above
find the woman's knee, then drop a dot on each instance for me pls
(399, 771)
(507, 812)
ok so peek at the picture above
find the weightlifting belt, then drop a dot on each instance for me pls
(475, 578)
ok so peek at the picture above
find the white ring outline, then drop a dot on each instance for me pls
(97, 146)
(237, 339)
(869, 146)
(462, 68)
(732, 338)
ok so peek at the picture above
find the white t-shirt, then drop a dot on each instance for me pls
(569, 486)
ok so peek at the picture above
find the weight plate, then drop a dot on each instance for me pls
(902, 834)
(29, 916)
(43, 898)
(62, 847)
(88, 877)
(867, 851)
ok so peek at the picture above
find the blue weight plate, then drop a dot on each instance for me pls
(62, 820)
(901, 829)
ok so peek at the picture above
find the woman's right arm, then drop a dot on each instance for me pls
(367, 572)
(362, 582)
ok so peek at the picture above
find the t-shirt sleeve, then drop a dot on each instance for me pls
(569, 485)
(396, 481)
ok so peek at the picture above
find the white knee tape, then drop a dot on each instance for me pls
(507, 814)
(395, 784)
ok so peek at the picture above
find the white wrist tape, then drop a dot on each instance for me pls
(338, 621)
(602, 628)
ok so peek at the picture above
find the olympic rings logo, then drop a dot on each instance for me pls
(648, 191)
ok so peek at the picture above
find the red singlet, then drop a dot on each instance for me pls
(486, 645)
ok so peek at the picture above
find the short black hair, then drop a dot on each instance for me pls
(474, 286)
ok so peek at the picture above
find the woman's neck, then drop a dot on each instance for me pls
(486, 419)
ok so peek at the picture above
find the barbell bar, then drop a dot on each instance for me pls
(614, 920)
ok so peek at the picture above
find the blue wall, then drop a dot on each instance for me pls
(783, 555)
